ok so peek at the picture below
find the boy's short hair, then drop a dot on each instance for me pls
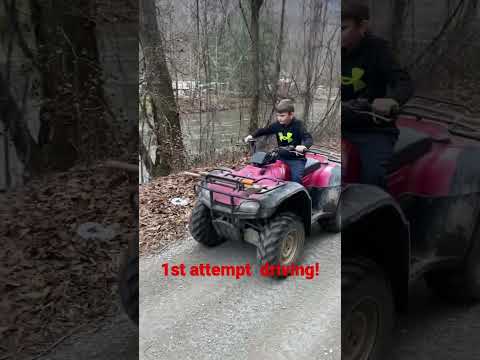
(285, 105)
(357, 10)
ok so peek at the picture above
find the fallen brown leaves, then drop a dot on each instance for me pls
(52, 280)
(161, 222)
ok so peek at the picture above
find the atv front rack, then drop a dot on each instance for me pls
(235, 185)
(232, 207)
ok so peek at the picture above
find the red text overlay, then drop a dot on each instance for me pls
(240, 271)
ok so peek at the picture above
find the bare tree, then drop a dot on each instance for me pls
(159, 88)
(399, 10)
(15, 127)
(70, 87)
(255, 6)
(316, 26)
(278, 59)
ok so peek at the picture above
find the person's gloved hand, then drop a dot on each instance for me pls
(385, 106)
(248, 138)
(300, 148)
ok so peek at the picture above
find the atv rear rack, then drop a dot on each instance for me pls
(460, 123)
(331, 155)
(436, 102)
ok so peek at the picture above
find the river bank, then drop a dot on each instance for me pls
(215, 103)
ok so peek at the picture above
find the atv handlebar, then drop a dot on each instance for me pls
(289, 148)
(363, 107)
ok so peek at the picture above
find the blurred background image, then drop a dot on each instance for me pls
(410, 242)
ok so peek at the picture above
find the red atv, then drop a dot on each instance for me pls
(425, 225)
(258, 204)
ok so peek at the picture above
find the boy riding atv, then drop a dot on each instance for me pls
(290, 132)
(370, 75)
(260, 204)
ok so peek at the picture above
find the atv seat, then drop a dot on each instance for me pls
(411, 144)
(311, 165)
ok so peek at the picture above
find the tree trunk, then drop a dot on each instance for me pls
(399, 10)
(255, 6)
(159, 86)
(278, 61)
(15, 127)
(73, 126)
(316, 29)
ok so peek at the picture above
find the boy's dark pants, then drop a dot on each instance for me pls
(376, 151)
(297, 168)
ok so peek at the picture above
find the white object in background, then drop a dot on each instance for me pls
(96, 231)
(179, 201)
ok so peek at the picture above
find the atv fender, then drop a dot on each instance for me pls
(374, 226)
(291, 197)
(465, 211)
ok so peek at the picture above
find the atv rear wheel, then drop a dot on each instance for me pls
(201, 226)
(367, 310)
(128, 285)
(283, 240)
(461, 285)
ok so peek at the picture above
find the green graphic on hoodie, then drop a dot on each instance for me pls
(355, 80)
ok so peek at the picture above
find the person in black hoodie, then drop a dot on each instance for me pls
(370, 73)
(289, 131)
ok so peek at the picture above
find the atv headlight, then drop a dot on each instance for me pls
(205, 195)
(249, 206)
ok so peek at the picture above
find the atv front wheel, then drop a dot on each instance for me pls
(201, 226)
(333, 224)
(459, 285)
(283, 240)
(367, 310)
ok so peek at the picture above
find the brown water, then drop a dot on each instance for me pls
(223, 129)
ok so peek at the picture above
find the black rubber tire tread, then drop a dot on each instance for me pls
(332, 225)
(459, 285)
(201, 227)
(128, 286)
(363, 278)
(273, 235)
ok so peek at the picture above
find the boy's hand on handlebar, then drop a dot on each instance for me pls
(385, 106)
(300, 148)
(249, 138)
(356, 105)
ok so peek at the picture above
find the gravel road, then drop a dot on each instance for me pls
(433, 329)
(257, 318)
(250, 318)
(114, 338)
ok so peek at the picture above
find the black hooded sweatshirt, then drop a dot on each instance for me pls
(292, 134)
(370, 71)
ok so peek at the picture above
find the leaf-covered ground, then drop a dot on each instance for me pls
(51, 279)
(162, 222)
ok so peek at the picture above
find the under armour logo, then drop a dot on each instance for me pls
(356, 79)
(288, 137)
